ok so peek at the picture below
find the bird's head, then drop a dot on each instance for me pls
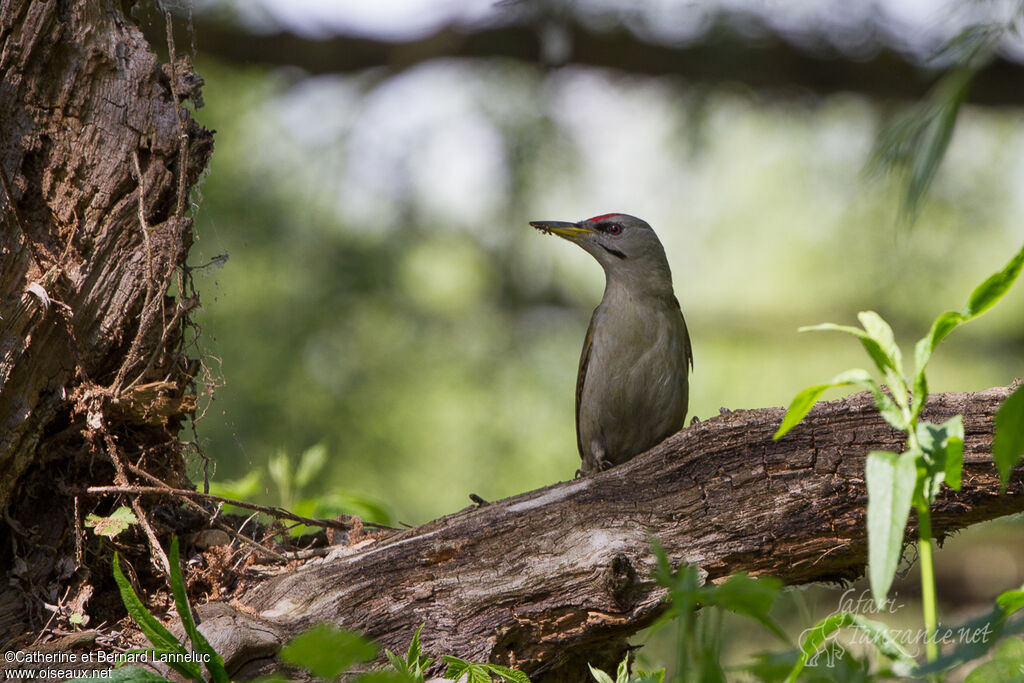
(625, 246)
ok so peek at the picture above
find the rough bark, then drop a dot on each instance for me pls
(721, 55)
(551, 579)
(92, 359)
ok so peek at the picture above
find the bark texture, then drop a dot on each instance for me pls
(96, 159)
(557, 577)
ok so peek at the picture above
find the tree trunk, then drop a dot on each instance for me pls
(552, 579)
(94, 366)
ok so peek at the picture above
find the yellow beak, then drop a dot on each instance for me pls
(560, 228)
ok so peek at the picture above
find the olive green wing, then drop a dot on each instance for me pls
(581, 377)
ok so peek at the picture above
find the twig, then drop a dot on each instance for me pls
(53, 615)
(148, 309)
(220, 525)
(277, 512)
(182, 307)
(79, 552)
(122, 478)
(144, 225)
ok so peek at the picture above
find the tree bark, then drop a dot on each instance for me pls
(551, 579)
(97, 158)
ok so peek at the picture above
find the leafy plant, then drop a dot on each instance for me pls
(915, 143)
(933, 454)
(292, 477)
(480, 672)
(878, 633)
(166, 647)
(699, 649)
(622, 675)
(110, 526)
(1008, 444)
(415, 664)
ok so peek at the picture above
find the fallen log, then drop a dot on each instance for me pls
(551, 579)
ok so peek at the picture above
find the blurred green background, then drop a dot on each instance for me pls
(385, 296)
(389, 335)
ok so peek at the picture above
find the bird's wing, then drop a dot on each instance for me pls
(686, 334)
(581, 377)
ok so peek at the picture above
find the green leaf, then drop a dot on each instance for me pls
(214, 662)
(748, 596)
(943, 449)
(507, 674)
(945, 107)
(111, 526)
(879, 330)
(890, 412)
(457, 668)
(683, 585)
(877, 632)
(655, 676)
(982, 298)
(917, 141)
(805, 400)
(875, 349)
(890, 480)
(414, 663)
(381, 676)
(1010, 601)
(311, 462)
(279, 468)
(397, 662)
(941, 327)
(125, 674)
(1008, 444)
(1007, 664)
(622, 675)
(327, 651)
(994, 287)
(155, 632)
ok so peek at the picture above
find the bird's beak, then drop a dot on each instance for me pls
(561, 228)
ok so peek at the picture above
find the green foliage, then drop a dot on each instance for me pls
(699, 645)
(1008, 445)
(890, 480)
(805, 400)
(214, 663)
(916, 142)
(977, 637)
(877, 633)
(415, 664)
(112, 525)
(162, 640)
(327, 651)
(1007, 664)
(934, 452)
(478, 672)
(165, 646)
(622, 674)
(293, 479)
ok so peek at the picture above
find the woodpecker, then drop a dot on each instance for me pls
(632, 388)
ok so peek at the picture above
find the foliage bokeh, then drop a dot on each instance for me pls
(385, 296)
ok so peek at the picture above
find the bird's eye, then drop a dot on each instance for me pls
(614, 229)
